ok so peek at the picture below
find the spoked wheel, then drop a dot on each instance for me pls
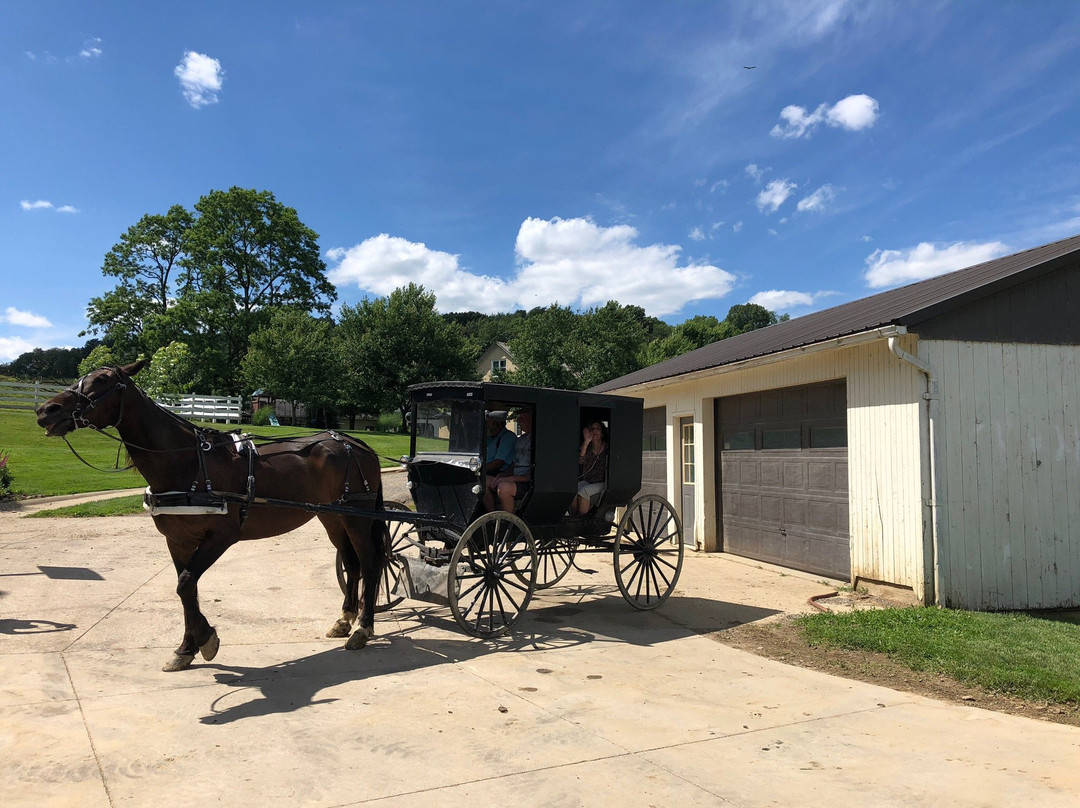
(648, 552)
(492, 574)
(400, 539)
(554, 558)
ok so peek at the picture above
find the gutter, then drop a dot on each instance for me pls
(931, 570)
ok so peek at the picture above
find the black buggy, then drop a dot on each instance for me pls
(491, 562)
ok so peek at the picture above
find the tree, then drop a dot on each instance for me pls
(49, 363)
(210, 279)
(171, 372)
(545, 350)
(612, 339)
(687, 336)
(750, 316)
(246, 255)
(293, 358)
(146, 261)
(99, 357)
(390, 343)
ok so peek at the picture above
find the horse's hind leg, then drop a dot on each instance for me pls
(351, 605)
(199, 635)
(369, 540)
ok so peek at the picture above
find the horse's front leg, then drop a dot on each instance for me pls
(199, 635)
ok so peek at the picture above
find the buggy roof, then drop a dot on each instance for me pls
(515, 393)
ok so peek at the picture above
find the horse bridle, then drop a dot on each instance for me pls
(85, 403)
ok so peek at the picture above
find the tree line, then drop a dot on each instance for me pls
(233, 296)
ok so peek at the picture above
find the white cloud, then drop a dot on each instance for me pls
(737, 226)
(40, 204)
(24, 318)
(817, 201)
(90, 48)
(200, 77)
(775, 194)
(782, 300)
(854, 113)
(67, 209)
(573, 262)
(894, 267)
(12, 348)
(755, 172)
(697, 234)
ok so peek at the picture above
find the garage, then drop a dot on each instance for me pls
(783, 482)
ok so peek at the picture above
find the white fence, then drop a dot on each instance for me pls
(206, 408)
(30, 395)
(26, 395)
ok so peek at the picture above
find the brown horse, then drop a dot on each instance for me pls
(190, 469)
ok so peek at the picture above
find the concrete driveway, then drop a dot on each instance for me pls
(589, 704)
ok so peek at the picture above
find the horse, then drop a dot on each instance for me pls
(213, 489)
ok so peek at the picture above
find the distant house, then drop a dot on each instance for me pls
(926, 438)
(496, 358)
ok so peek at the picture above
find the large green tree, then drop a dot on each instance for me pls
(293, 358)
(247, 254)
(210, 278)
(389, 343)
(146, 263)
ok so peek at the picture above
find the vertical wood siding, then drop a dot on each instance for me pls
(1009, 464)
(885, 481)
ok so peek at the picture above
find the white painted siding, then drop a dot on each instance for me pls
(885, 409)
(1008, 447)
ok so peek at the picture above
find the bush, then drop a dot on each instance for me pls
(261, 417)
(6, 478)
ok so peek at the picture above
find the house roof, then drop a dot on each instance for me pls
(906, 306)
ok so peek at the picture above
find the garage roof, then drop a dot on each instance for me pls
(906, 306)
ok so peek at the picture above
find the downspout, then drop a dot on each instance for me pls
(931, 582)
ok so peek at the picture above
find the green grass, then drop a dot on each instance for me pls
(117, 506)
(1016, 654)
(44, 466)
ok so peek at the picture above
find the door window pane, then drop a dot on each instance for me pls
(739, 440)
(781, 439)
(828, 437)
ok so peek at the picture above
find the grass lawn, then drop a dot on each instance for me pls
(1019, 655)
(44, 466)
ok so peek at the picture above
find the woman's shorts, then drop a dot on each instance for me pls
(590, 491)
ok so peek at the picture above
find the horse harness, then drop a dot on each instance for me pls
(208, 501)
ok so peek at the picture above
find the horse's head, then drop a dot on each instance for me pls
(94, 400)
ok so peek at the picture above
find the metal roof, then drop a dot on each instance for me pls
(905, 306)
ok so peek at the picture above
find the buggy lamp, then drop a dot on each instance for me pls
(476, 489)
(409, 484)
(474, 464)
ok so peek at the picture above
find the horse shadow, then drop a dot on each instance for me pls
(295, 684)
(14, 626)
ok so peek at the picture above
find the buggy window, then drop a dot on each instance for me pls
(449, 426)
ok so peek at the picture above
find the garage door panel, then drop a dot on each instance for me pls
(821, 475)
(794, 475)
(784, 502)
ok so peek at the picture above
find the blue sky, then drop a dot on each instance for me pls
(514, 154)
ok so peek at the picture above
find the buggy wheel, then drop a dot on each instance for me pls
(554, 558)
(492, 574)
(648, 552)
(400, 537)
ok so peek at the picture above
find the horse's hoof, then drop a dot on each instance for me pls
(179, 662)
(340, 629)
(209, 648)
(359, 639)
